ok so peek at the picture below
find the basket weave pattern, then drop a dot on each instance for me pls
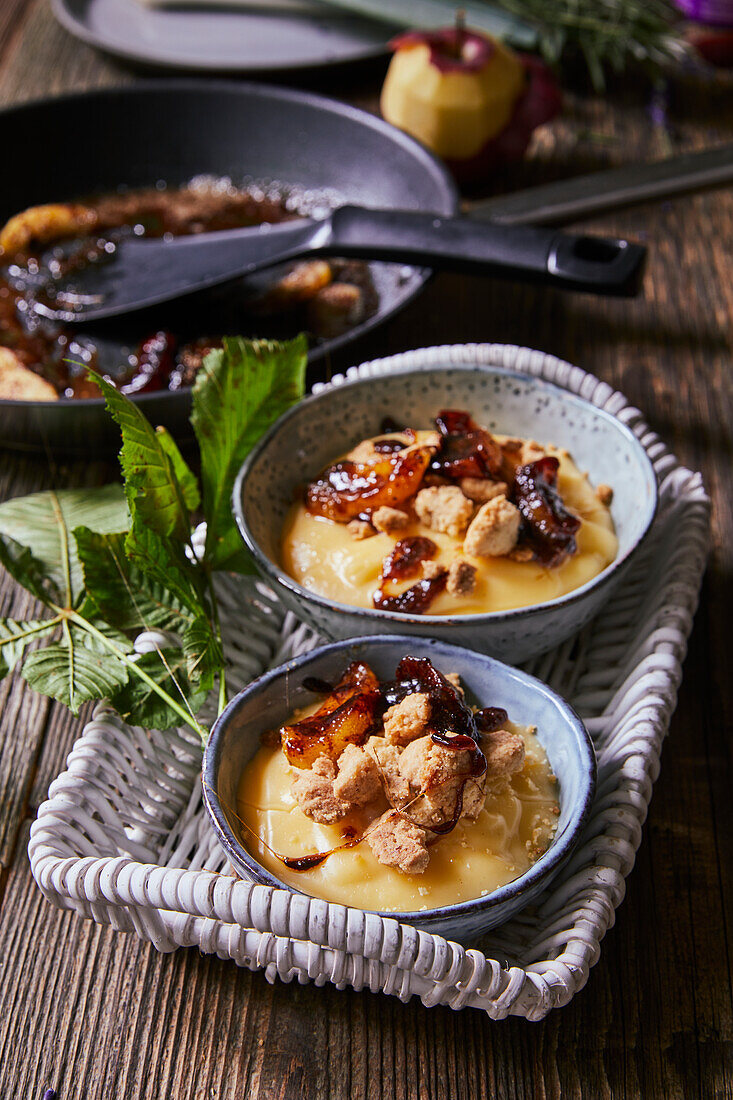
(123, 838)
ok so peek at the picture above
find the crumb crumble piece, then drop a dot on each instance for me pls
(360, 529)
(389, 520)
(444, 508)
(461, 578)
(604, 494)
(504, 753)
(454, 679)
(397, 842)
(437, 777)
(433, 569)
(358, 780)
(494, 530)
(481, 489)
(387, 759)
(313, 791)
(407, 720)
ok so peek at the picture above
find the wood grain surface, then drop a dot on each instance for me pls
(98, 1015)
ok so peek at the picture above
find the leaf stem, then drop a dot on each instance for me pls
(43, 625)
(72, 661)
(64, 540)
(217, 627)
(83, 624)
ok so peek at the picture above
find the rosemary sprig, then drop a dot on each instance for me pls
(607, 34)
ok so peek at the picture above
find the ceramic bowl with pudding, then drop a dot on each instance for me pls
(403, 776)
(478, 505)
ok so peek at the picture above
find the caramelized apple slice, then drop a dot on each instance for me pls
(548, 528)
(466, 450)
(358, 677)
(330, 733)
(347, 489)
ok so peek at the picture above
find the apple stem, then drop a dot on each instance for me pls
(460, 23)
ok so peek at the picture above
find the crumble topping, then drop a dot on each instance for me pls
(493, 497)
(444, 508)
(390, 520)
(397, 842)
(360, 529)
(494, 530)
(358, 780)
(481, 489)
(461, 578)
(425, 763)
(407, 720)
(314, 793)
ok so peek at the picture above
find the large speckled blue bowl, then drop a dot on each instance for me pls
(321, 427)
(271, 699)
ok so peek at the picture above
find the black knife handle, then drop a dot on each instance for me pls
(600, 265)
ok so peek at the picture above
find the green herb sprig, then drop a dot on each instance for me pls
(607, 34)
(108, 563)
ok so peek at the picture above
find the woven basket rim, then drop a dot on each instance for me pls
(294, 936)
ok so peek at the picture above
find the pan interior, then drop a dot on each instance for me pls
(172, 131)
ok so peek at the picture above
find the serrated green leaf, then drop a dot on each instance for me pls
(204, 657)
(186, 477)
(239, 392)
(137, 702)
(153, 491)
(73, 674)
(120, 592)
(96, 645)
(27, 570)
(43, 523)
(16, 636)
(163, 562)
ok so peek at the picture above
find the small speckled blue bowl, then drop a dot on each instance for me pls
(271, 699)
(318, 429)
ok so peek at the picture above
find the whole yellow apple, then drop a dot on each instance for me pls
(466, 96)
(451, 89)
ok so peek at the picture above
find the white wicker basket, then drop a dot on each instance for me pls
(124, 840)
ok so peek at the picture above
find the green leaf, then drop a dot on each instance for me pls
(239, 392)
(43, 523)
(164, 563)
(73, 674)
(186, 477)
(137, 702)
(16, 636)
(120, 592)
(154, 493)
(204, 657)
(27, 570)
(89, 641)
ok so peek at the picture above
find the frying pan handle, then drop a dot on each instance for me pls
(599, 265)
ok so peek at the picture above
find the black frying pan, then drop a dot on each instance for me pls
(172, 130)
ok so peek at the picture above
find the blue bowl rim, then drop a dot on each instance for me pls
(545, 867)
(279, 577)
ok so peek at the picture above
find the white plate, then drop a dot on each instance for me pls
(222, 37)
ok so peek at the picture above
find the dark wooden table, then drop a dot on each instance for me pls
(95, 1014)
